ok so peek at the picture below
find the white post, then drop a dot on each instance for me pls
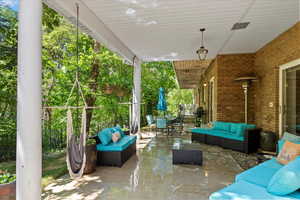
(136, 98)
(29, 145)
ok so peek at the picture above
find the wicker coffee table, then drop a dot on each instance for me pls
(187, 154)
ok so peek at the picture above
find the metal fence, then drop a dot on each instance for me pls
(52, 140)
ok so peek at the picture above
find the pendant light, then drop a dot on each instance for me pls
(202, 52)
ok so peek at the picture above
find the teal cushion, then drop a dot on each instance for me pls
(226, 134)
(105, 136)
(260, 174)
(240, 130)
(233, 127)
(122, 144)
(219, 133)
(286, 180)
(201, 130)
(250, 126)
(222, 126)
(243, 190)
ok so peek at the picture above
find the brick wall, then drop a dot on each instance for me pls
(263, 94)
(231, 98)
(203, 90)
(283, 49)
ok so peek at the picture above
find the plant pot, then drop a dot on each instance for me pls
(91, 159)
(108, 89)
(120, 93)
(8, 191)
(268, 141)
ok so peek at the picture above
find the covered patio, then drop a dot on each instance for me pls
(153, 30)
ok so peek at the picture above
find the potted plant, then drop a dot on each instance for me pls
(91, 156)
(7, 185)
(108, 89)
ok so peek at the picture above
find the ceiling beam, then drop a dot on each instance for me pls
(91, 25)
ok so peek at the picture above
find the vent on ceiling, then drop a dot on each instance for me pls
(240, 25)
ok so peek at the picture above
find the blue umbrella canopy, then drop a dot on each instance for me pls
(162, 104)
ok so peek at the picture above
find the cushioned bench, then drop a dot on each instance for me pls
(253, 183)
(114, 154)
(237, 136)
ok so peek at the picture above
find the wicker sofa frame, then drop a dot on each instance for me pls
(249, 145)
(114, 158)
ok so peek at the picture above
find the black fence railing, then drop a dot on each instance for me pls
(52, 140)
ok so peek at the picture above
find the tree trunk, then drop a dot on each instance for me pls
(93, 85)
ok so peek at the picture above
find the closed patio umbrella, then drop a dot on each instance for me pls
(162, 104)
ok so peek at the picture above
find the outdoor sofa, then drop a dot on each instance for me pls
(255, 183)
(237, 136)
(114, 154)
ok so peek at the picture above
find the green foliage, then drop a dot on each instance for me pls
(60, 65)
(178, 96)
(154, 76)
(6, 177)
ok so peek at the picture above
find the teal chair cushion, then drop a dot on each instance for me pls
(105, 135)
(222, 126)
(286, 180)
(243, 190)
(260, 174)
(150, 120)
(161, 123)
(121, 145)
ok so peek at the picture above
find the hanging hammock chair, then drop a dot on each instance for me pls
(76, 145)
(76, 155)
(76, 151)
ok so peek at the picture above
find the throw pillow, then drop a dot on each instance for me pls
(288, 153)
(291, 137)
(286, 180)
(105, 136)
(116, 136)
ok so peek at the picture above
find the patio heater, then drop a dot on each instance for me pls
(246, 82)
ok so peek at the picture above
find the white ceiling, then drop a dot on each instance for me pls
(169, 29)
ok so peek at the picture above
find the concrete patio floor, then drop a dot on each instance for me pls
(151, 175)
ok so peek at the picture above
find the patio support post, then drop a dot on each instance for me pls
(136, 104)
(29, 145)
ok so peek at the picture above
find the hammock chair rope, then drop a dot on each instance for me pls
(76, 151)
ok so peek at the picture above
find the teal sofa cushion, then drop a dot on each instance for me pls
(260, 174)
(234, 127)
(243, 190)
(225, 126)
(121, 145)
(286, 180)
(226, 134)
(219, 133)
(105, 135)
(201, 130)
(240, 130)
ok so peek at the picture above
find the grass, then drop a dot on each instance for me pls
(54, 166)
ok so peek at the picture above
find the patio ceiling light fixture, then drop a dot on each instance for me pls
(202, 52)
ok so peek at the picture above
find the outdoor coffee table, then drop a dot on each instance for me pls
(187, 154)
